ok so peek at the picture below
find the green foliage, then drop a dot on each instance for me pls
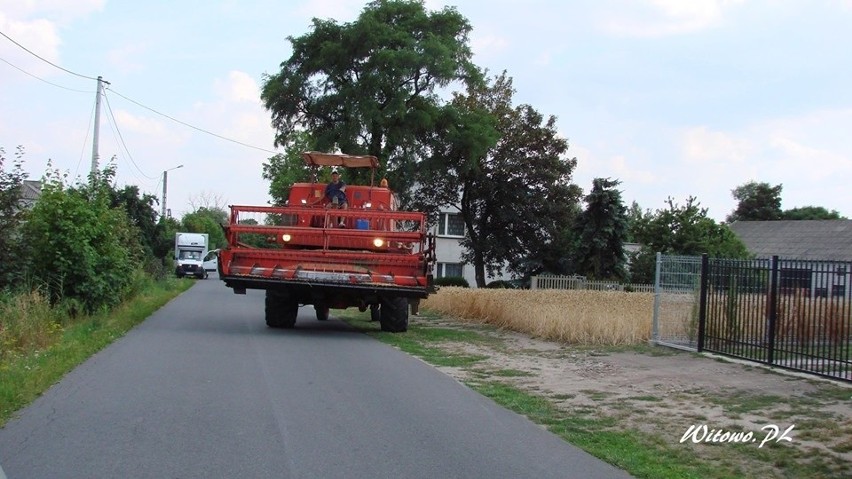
(141, 213)
(600, 231)
(282, 170)
(757, 202)
(452, 281)
(371, 85)
(11, 215)
(503, 166)
(811, 213)
(206, 220)
(80, 248)
(681, 230)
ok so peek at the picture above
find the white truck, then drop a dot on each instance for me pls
(190, 251)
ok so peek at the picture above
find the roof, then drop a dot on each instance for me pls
(803, 239)
(315, 158)
(30, 190)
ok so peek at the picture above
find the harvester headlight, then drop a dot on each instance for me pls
(286, 237)
(368, 205)
(378, 242)
(304, 201)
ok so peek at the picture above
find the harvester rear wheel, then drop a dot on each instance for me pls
(281, 311)
(394, 314)
(322, 312)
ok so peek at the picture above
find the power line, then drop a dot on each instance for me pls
(192, 126)
(42, 79)
(45, 60)
(132, 101)
(123, 144)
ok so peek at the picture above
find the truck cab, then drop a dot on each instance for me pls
(190, 250)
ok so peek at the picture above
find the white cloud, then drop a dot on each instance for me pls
(238, 87)
(339, 10)
(667, 17)
(154, 129)
(701, 145)
(125, 58)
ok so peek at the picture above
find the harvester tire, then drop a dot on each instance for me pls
(375, 313)
(394, 314)
(322, 312)
(281, 311)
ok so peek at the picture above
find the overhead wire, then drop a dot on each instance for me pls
(85, 140)
(202, 130)
(108, 87)
(121, 138)
(45, 60)
(42, 79)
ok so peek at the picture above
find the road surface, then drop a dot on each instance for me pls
(203, 389)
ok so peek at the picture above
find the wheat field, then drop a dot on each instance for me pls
(569, 316)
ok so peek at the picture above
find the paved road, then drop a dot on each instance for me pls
(203, 389)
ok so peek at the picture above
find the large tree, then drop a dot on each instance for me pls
(601, 230)
(681, 230)
(141, 213)
(504, 168)
(371, 86)
(756, 202)
(811, 213)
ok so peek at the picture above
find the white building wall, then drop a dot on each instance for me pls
(448, 253)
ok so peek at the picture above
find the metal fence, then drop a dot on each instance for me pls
(580, 282)
(793, 314)
(677, 287)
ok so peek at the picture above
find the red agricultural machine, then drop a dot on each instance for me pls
(360, 252)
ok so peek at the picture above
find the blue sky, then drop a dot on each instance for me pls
(673, 98)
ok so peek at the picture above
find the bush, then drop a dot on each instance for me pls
(507, 284)
(80, 248)
(452, 281)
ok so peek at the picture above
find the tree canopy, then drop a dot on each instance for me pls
(504, 168)
(601, 230)
(756, 202)
(371, 86)
(681, 230)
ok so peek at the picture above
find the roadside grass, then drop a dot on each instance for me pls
(30, 367)
(622, 430)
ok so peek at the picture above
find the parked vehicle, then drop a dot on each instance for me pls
(366, 254)
(190, 249)
(211, 261)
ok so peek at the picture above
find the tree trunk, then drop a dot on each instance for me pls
(479, 269)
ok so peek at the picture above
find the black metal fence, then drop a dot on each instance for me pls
(794, 314)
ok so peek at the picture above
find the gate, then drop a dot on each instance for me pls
(793, 314)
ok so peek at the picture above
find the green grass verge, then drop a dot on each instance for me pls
(643, 452)
(25, 376)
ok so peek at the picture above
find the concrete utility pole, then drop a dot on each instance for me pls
(165, 184)
(97, 133)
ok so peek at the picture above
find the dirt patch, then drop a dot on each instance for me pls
(664, 392)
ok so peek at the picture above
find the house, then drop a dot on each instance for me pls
(449, 232)
(30, 192)
(818, 252)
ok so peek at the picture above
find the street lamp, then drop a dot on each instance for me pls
(165, 184)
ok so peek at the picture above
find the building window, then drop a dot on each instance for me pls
(450, 224)
(450, 269)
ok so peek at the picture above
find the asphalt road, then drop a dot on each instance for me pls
(203, 389)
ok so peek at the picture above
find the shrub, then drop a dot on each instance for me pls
(80, 248)
(452, 281)
(502, 284)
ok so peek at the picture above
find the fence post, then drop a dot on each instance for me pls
(655, 324)
(702, 302)
(773, 309)
(533, 282)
